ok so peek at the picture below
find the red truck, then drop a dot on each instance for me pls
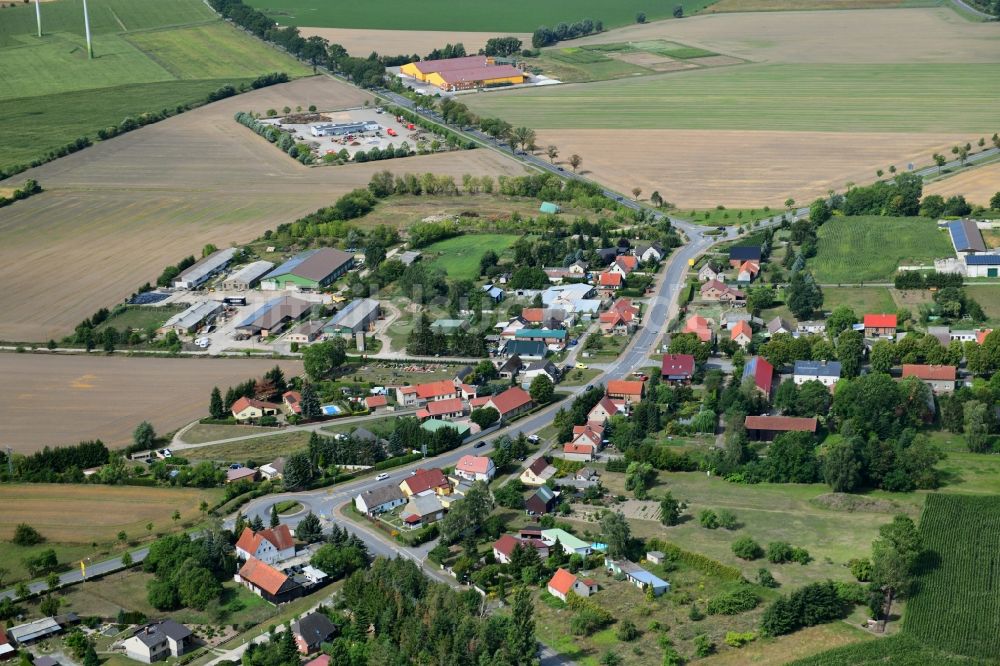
(411, 126)
(390, 132)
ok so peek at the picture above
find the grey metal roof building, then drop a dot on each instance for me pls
(32, 631)
(198, 274)
(190, 319)
(248, 276)
(274, 314)
(355, 318)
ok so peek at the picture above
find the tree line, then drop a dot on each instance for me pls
(546, 36)
(29, 188)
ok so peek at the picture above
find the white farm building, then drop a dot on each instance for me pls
(339, 129)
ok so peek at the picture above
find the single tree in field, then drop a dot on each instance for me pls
(656, 199)
(552, 153)
(879, 172)
(789, 203)
(575, 161)
(894, 561)
(636, 191)
(892, 168)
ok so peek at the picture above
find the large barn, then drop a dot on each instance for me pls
(463, 73)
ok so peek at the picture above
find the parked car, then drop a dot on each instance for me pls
(479, 445)
(533, 439)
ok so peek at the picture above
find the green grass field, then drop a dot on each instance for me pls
(140, 318)
(513, 16)
(869, 249)
(460, 256)
(844, 98)
(859, 299)
(148, 55)
(987, 296)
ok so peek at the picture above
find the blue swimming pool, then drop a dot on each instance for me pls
(331, 410)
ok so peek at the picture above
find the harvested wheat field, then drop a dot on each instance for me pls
(114, 215)
(361, 42)
(78, 514)
(833, 37)
(106, 397)
(701, 168)
(978, 185)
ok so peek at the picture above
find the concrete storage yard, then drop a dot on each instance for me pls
(362, 141)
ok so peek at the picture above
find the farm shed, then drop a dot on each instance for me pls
(312, 269)
(359, 316)
(273, 315)
(191, 319)
(199, 273)
(966, 236)
(982, 265)
(463, 73)
(766, 428)
(247, 277)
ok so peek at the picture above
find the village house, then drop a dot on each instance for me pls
(610, 281)
(540, 367)
(677, 368)
(422, 510)
(603, 410)
(476, 468)
(542, 502)
(589, 433)
(377, 404)
(406, 396)
(512, 402)
(731, 319)
(620, 319)
(747, 271)
(579, 452)
(312, 631)
(424, 482)
(242, 474)
(825, 372)
(700, 327)
(451, 408)
(292, 400)
(158, 640)
(504, 547)
(742, 334)
(525, 349)
(778, 325)
(941, 378)
(509, 368)
(709, 272)
(563, 582)
(380, 499)
(273, 470)
(880, 325)
(766, 428)
(444, 389)
(627, 390)
(624, 265)
(247, 410)
(269, 546)
(647, 252)
(267, 582)
(570, 544)
(538, 472)
(714, 290)
(637, 575)
(742, 253)
(812, 327)
(762, 372)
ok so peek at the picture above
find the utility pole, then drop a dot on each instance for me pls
(38, 16)
(10, 463)
(86, 26)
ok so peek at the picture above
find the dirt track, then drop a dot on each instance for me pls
(978, 184)
(849, 36)
(114, 215)
(361, 42)
(59, 400)
(702, 168)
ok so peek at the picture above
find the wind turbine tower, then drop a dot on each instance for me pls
(86, 26)
(38, 16)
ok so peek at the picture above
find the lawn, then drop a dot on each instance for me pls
(210, 432)
(261, 450)
(149, 55)
(81, 521)
(835, 98)
(459, 256)
(859, 299)
(987, 296)
(513, 16)
(871, 249)
(139, 317)
(727, 216)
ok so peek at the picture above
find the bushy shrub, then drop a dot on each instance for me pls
(746, 548)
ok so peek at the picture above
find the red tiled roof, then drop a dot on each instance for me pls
(263, 576)
(292, 399)
(627, 261)
(608, 404)
(699, 326)
(981, 335)
(579, 448)
(506, 544)
(373, 401)
(511, 399)
(449, 406)
(749, 266)
(624, 387)
(280, 537)
(783, 423)
(322, 660)
(611, 279)
(742, 328)
(533, 315)
(436, 389)
(412, 518)
(473, 464)
(929, 372)
(243, 403)
(425, 479)
(479, 402)
(677, 364)
(721, 287)
(880, 321)
(562, 581)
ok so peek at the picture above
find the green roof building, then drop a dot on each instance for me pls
(548, 207)
(433, 425)
(312, 269)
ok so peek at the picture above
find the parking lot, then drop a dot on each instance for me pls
(391, 131)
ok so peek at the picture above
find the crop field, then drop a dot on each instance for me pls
(73, 517)
(106, 397)
(261, 449)
(460, 256)
(867, 249)
(114, 216)
(512, 16)
(705, 168)
(899, 650)
(809, 5)
(964, 533)
(978, 185)
(831, 98)
(149, 55)
(362, 41)
(831, 37)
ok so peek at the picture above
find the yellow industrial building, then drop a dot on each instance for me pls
(463, 73)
